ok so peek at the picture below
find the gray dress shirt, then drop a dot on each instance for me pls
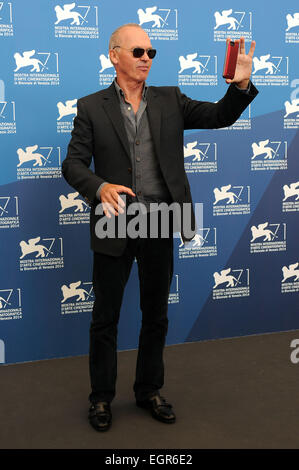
(147, 180)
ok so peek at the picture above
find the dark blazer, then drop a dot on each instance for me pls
(99, 132)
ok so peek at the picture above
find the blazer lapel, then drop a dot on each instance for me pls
(154, 117)
(112, 108)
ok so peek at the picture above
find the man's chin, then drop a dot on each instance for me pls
(142, 74)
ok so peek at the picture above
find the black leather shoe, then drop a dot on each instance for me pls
(100, 416)
(159, 408)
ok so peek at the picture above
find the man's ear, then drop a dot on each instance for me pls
(113, 56)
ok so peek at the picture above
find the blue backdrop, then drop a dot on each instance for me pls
(240, 275)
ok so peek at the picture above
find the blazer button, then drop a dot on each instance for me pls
(130, 170)
(137, 142)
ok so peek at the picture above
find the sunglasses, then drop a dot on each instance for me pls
(138, 52)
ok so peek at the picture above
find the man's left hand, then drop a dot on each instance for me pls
(244, 64)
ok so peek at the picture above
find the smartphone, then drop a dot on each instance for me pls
(230, 61)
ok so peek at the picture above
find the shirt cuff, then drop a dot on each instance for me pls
(99, 190)
(247, 90)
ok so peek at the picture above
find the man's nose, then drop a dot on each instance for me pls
(144, 56)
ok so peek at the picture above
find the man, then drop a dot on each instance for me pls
(135, 135)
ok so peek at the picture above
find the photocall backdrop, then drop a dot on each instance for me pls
(240, 274)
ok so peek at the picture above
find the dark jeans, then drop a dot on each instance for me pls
(110, 274)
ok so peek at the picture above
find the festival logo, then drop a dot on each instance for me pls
(41, 253)
(290, 201)
(8, 123)
(105, 62)
(66, 113)
(159, 23)
(231, 200)
(291, 115)
(76, 21)
(269, 155)
(9, 212)
(6, 19)
(73, 210)
(230, 283)
(233, 24)
(290, 278)
(292, 28)
(200, 157)
(36, 68)
(174, 296)
(77, 297)
(106, 78)
(270, 70)
(203, 244)
(197, 69)
(38, 162)
(10, 304)
(268, 237)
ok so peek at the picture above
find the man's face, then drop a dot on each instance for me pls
(127, 66)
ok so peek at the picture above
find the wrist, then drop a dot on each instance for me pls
(243, 85)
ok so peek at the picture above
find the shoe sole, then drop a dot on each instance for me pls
(159, 418)
(163, 420)
(100, 428)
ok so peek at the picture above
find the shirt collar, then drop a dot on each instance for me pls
(121, 93)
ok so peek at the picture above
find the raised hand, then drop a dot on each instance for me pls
(244, 64)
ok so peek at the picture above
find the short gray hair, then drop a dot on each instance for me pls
(114, 38)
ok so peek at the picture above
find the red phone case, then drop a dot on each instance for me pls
(230, 61)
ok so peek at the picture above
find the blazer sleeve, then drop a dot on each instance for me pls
(208, 115)
(75, 167)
